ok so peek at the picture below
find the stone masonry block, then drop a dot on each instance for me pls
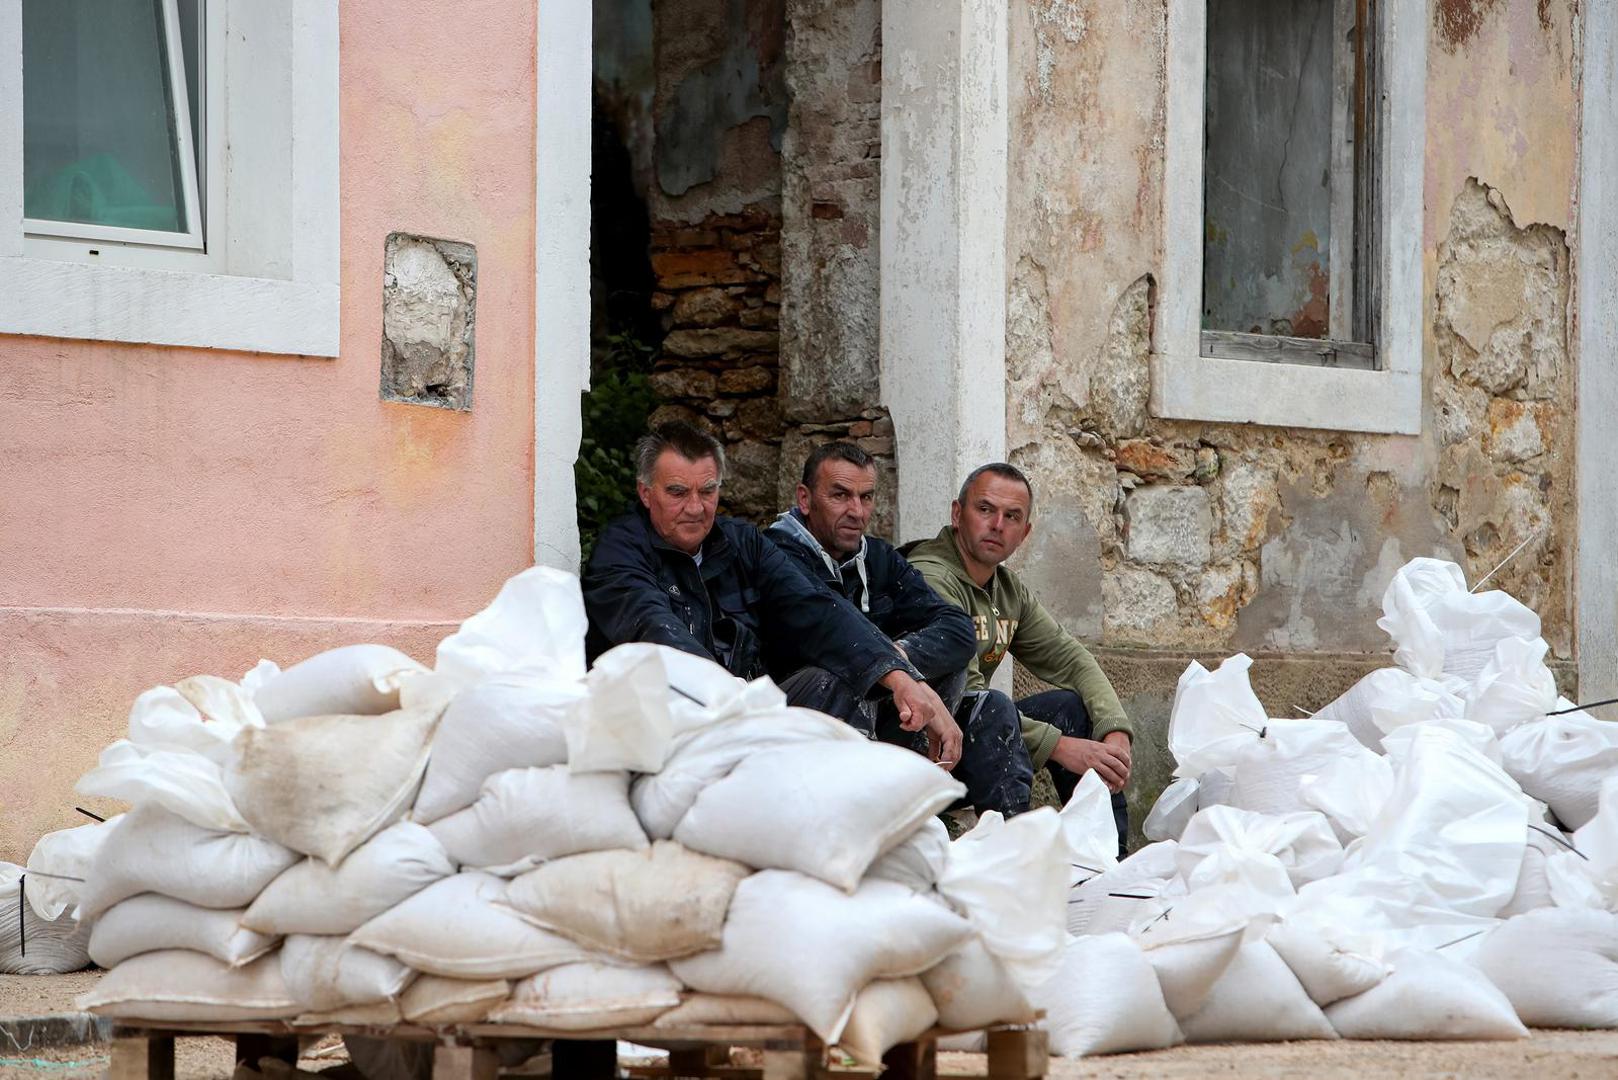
(1169, 525)
(429, 315)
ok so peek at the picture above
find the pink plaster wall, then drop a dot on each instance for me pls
(278, 496)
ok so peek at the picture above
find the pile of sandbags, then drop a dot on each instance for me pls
(507, 838)
(38, 932)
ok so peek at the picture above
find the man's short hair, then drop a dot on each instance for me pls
(687, 440)
(839, 451)
(1001, 469)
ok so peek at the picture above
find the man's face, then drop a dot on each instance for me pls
(682, 499)
(993, 522)
(839, 506)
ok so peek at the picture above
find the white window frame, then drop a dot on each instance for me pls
(1189, 386)
(268, 278)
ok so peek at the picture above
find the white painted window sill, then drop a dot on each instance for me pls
(1285, 395)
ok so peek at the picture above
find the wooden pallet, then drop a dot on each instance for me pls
(145, 1051)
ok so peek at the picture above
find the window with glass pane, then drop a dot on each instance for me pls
(111, 124)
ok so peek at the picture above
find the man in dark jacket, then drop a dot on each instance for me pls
(673, 573)
(825, 534)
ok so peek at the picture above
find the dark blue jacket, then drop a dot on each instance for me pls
(937, 636)
(745, 596)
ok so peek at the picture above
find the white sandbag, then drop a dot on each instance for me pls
(827, 811)
(1350, 793)
(525, 816)
(201, 714)
(354, 680)
(590, 996)
(811, 947)
(313, 898)
(1303, 843)
(150, 922)
(433, 999)
(1114, 901)
(645, 906)
(1171, 811)
(886, 1013)
(152, 850)
(534, 627)
(1415, 587)
(1387, 698)
(1558, 967)
(971, 988)
(182, 782)
(1562, 761)
(1104, 999)
(724, 1009)
(456, 928)
(1429, 996)
(1324, 961)
(372, 1014)
(1090, 829)
(1269, 772)
(756, 719)
(1216, 716)
(1188, 967)
(295, 781)
(503, 723)
(1533, 886)
(917, 861)
(29, 944)
(1585, 872)
(1479, 736)
(329, 972)
(1515, 687)
(1474, 624)
(1010, 880)
(185, 985)
(623, 723)
(59, 865)
(1257, 999)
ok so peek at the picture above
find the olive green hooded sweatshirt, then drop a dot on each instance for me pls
(1008, 618)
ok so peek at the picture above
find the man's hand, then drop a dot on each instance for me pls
(1109, 761)
(920, 709)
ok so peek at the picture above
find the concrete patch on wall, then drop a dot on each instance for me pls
(429, 316)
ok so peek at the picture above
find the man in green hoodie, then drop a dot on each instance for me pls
(1079, 726)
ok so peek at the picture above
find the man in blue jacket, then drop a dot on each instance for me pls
(825, 534)
(674, 573)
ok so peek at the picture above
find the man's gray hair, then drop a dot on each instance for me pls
(687, 440)
(1002, 469)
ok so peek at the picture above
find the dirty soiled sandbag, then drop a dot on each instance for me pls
(525, 816)
(1104, 999)
(326, 973)
(505, 723)
(1257, 999)
(886, 1013)
(179, 984)
(588, 996)
(657, 903)
(623, 723)
(182, 782)
(150, 922)
(918, 860)
(373, 1014)
(60, 863)
(724, 1009)
(297, 783)
(151, 850)
(354, 680)
(826, 810)
(29, 944)
(971, 988)
(1562, 761)
(456, 928)
(433, 999)
(1429, 996)
(201, 714)
(1328, 969)
(1557, 966)
(811, 947)
(313, 898)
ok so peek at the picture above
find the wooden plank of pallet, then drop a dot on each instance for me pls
(1018, 1053)
(912, 1061)
(141, 1058)
(459, 1062)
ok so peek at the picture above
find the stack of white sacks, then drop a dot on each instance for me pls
(1431, 856)
(506, 839)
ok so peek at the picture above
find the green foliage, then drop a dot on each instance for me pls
(615, 411)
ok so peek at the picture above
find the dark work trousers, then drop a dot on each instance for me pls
(1064, 710)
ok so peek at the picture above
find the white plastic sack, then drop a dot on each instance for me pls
(1189, 964)
(1562, 761)
(313, 898)
(458, 929)
(59, 865)
(526, 816)
(1387, 698)
(1428, 996)
(503, 723)
(1480, 737)
(1270, 771)
(1533, 886)
(971, 989)
(1104, 999)
(1257, 999)
(150, 922)
(185, 985)
(1558, 967)
(1325, 962)
(1125, 894)
(917, 861)
(201, 714)
(1010, 879)
(325, 973)
(1351, 793)
(722, 1009)
(1090, 829)
(1303, 843)
(644, 906)
(1585, 872)
(590, 996)
(1216, 716)
(296, 781)
(180, 781)
(1172, 810)
(1417, 586)
(827, 810)
(1474, 624)
(354, 680)
(886, 1013)
(433, 999)
(1515, 687)
(623, 723)
(29, 944)
(809, 946)
(534, 626)
(151, 850)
